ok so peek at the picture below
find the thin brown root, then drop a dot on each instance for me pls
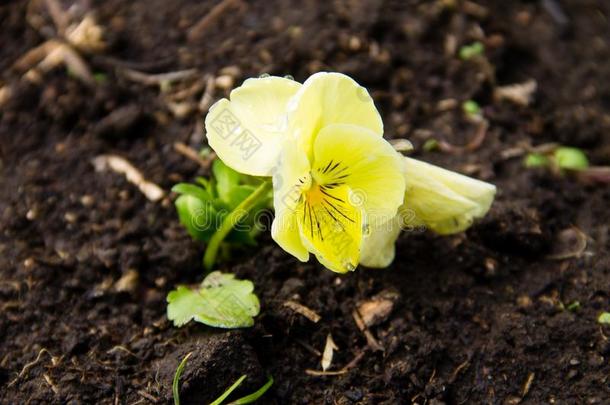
(51, 384)
(28, 366)
(158, 79)
(474, 144)
(60, 18)
(342, 371)
(370, 338)
(192, 154)
(120, 165)
(528, 384)
(197, 30)
(146, 395)
(208, 94)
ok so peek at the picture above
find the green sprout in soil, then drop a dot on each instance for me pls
(560, 159)
(470, 51)
(604, 318)
(211, 209)
(471, 108)
(248, 399)
(574, 306)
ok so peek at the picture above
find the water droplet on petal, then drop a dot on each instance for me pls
(289, 77)
(264, 75)
(349, 266)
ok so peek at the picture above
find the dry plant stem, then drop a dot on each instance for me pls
(60, 18)
(472, 145)
(303, 310)
(239, 213)
(157, 79)
(133, 175)
(192, 154)
(216, 12)
(342, 371)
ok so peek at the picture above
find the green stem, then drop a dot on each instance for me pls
(239, 213)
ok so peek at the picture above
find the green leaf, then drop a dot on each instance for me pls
(200, 218)
(176, 382)
(237, 194)
(430, 145)
(536, 160)
(222, 301)
(471, 107)
(570, 158)
(248, 399)
(574, 306)
(192, 190)
(470, 51)
(228, 392)
(226, 179)
(604, 318)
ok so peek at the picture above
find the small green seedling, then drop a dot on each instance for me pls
(471, 108)
(177, 375)
(574, 306)
(211, 209)
(430, 145)
(470, 51)
(536, 160)
(604, 318)
(221, 301)
(248, 399)
(560, 159)
(571, 158)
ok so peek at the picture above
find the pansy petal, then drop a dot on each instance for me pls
(330, 98)
(288, 182)
(445, 201)
(364, 161)
(379, 247)
(247, 132)
(331, 227)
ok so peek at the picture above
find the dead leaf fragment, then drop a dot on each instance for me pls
(570, 243)
(520, 93)
(378, 308)
(327, 356)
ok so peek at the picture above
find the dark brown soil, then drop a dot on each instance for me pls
(482, 317)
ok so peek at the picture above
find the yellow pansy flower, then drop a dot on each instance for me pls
(340, 190)
(333, 173)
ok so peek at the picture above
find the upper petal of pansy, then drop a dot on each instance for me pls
(247, 132)
(289, 179)
(445, 201)
(367, 163)
(330, 98)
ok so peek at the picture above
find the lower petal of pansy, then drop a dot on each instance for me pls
(331, 227)
(359, 158)
(290, 177)
(247, 132)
